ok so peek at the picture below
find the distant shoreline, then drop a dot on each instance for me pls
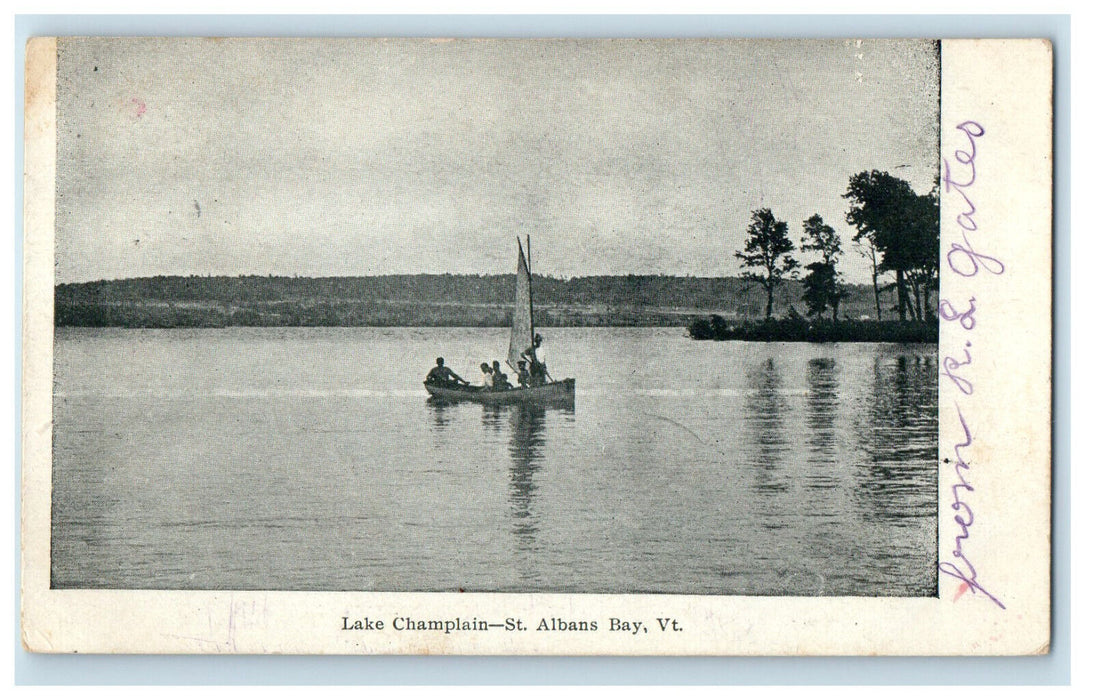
(699, 325)
(436, 301)
(802, 330)
(351, 315)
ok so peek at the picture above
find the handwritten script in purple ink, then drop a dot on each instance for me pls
(961, 568)
(964, 260)
(951, 368)
(962, 257)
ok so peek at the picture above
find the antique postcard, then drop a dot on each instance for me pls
(537, 346)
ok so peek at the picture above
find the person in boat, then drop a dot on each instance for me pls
(487, 377)
(537, 370)
(443, 375)
(500, 379)
(522, 374)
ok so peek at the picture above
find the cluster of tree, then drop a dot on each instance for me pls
(896, 229)
(905, 228)
(803, 330)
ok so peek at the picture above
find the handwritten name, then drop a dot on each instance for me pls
(962, 257)
(965, 260)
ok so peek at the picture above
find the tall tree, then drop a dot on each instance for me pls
(822, 288)
(899, 224)
(926, 232)
(766, 256)
(821, 238)
(868, 250)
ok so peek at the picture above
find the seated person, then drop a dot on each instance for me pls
(522, 374)
(500, 379)
(487, 377)
(443, 375)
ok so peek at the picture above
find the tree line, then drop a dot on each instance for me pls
(427, 300)
(896, 230)
(724, 294)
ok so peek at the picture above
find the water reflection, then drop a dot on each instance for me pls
(526, 453)
(822, 378)
(440, 413)
(522, 431)
(494, 417)
(764, 416)
(766, 413)
(899, 439)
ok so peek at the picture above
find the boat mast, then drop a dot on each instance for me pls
(531, 305)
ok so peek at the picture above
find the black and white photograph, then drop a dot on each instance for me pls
(713, 372)
(517, 316)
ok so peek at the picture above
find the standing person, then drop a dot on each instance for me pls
(487, 377)
(443, 375)
(537, 368)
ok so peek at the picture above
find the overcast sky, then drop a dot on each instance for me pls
(357, 157)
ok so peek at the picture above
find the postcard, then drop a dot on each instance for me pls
(537, 346)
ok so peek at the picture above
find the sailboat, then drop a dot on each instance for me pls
(521, 340)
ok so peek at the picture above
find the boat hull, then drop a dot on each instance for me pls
(562, 392)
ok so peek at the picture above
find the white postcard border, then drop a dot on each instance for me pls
(1004, 86)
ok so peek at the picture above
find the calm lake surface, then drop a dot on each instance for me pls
(311, 459)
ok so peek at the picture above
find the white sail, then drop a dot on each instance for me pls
(522, 330)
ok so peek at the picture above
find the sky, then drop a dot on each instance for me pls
(361, 157)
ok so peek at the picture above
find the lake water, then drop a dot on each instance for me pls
(311, 459)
